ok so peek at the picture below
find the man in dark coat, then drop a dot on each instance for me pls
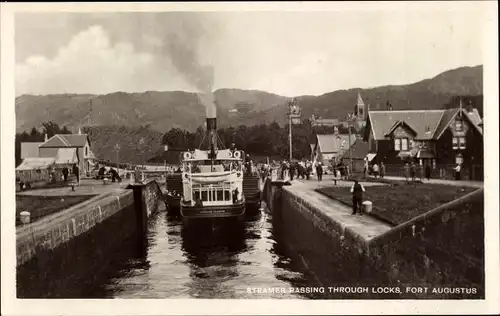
(357, 197)
(292, 169)
(319, 171)
(428, 171)
(76, 172)
(65, 173)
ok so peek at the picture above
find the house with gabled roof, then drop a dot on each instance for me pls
(445, 137)
(69, 149)
(331, 147)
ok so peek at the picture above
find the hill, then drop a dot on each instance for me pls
(164, 110)
(131, 150)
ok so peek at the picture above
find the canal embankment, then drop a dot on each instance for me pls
(91, 228)
(443, 247)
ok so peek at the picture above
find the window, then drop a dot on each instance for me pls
(404, 144)
(461, 142)
(455, 142)
(458, 126)
(397, 144)
(458, 143)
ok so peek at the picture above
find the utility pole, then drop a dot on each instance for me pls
(117, 148)
(293, 113)
(350, 119)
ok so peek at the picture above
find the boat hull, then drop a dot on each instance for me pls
(213, 211)
(173, 205)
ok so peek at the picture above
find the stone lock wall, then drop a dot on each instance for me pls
(442, 248)
(62, 255)
(57, 229)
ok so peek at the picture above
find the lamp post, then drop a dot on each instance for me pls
(117, 148)
(350, 118)
(141, 142)
(293, 116)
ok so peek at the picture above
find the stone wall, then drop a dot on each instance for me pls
(151, 193)
(54, 230)
(62, 255)
(446, 250)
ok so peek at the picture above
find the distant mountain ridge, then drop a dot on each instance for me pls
(162, 111)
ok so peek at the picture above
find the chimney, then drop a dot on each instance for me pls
(46, 138)
(79, 131)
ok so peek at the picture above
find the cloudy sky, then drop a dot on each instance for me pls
(289, 53)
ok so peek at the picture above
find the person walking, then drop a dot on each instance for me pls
(319, 171)
(428, 171)
(292, 170)
(357, 190)
(65, 173)
(407, 171)
(76, 172)
(365, 168)
(308, 170)
(413, 171)
(382, 170)
(458, 168)
(375, 170)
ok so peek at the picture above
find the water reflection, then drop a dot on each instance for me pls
(223, 260)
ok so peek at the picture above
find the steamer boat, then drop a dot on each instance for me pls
(212, 180)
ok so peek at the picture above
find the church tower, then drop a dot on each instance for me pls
(359, 108)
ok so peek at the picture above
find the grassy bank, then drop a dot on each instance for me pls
(400, 202)
(41, 206)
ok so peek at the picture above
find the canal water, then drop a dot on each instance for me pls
(206, 261)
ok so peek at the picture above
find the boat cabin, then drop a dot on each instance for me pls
(212, 182)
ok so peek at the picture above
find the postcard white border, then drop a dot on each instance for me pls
(12, 306)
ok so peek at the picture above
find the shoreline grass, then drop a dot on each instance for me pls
(398, 203)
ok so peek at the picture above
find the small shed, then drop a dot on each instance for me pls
(34, 169)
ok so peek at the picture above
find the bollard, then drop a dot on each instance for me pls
(25, 217)
(367, 207)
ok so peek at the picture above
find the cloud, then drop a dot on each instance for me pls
(89, 63)
(291, 53)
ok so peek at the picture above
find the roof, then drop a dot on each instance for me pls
(396, 125)
(359, 150)
(427, 124)
(331, 143)
(66, 155)
(446, 118)
(32, 163)
(423, 122)
(30, 149)
(449, 115)
(66, 140)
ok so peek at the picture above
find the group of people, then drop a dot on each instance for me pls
(299, 169)
(411, 169)
(75, 170)
(115, 176)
